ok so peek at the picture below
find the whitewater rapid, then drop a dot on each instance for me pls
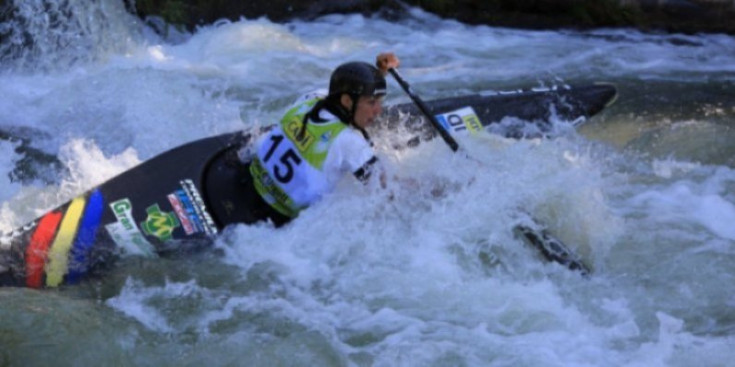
(645, 192)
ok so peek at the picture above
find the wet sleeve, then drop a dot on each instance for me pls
(363, 173)
(357, 154)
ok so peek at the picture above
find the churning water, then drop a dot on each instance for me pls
(645, 192)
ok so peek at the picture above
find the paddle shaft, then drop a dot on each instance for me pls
(425, 110)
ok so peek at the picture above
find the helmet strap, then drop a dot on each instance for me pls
(334, 105)
(356, 98)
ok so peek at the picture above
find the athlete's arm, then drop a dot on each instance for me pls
(365, 172)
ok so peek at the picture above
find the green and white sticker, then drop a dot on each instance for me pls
(126, 233)
(159, 224)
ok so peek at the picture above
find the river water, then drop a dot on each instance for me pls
(644, 191)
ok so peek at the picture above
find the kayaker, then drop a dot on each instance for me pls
(319, 140)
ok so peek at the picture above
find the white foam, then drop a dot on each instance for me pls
(707, 203)
(418, 279)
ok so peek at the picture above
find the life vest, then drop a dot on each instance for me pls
(293, 168)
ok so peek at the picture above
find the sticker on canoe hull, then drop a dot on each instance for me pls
(183, 212)
(58, 254)
(125, 232)
(79, 257)
(36, 252)
(193, 202)
(159, 224)
(461, 120)
(59, 245)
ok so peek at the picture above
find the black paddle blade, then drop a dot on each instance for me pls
(552, 248)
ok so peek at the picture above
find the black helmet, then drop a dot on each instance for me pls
(357, 79)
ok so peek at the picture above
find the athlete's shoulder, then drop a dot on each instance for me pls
(353, 150)
(352, 143)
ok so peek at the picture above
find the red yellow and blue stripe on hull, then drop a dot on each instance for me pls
(60, 245)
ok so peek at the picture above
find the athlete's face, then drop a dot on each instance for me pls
(368, 109)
